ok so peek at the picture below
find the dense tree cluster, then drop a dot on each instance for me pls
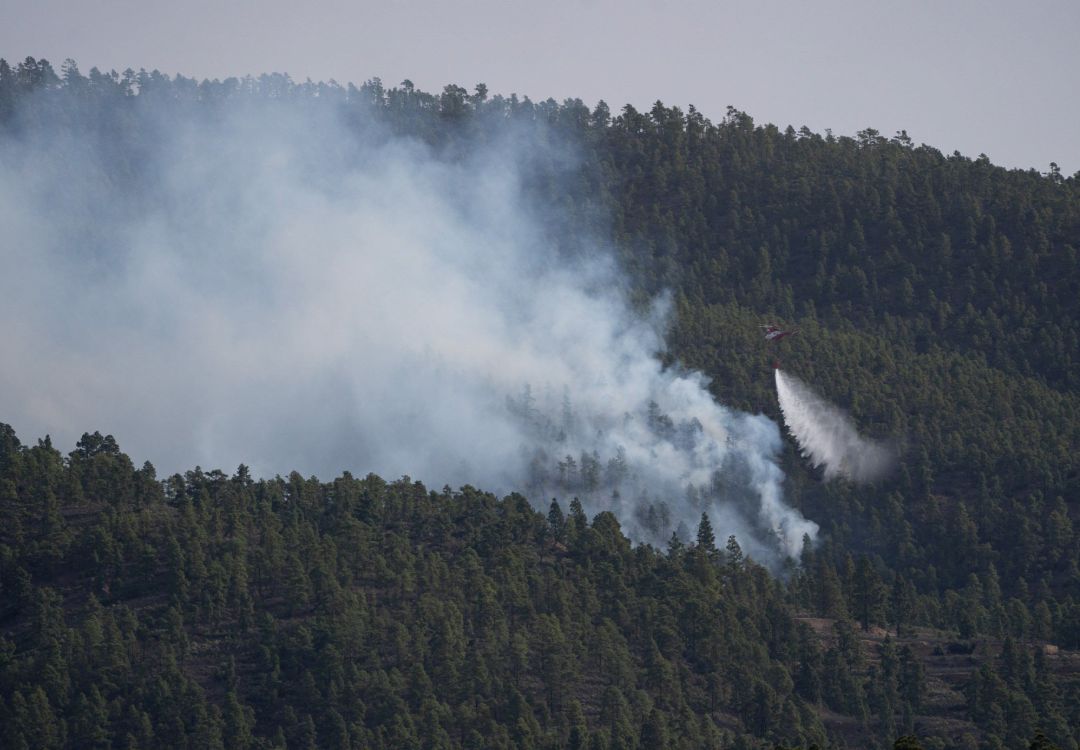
(210, 610)
(935, 297)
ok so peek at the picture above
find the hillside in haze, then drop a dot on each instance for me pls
(604, 275)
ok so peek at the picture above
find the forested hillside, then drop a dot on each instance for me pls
(935, 301)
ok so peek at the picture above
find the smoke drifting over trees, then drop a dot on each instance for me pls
(265, 282)
(323, 276)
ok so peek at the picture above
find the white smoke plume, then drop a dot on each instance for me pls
(827, 437)
(284, 290)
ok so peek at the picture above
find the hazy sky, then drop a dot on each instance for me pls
(987, 76)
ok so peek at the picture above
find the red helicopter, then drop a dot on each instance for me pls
(776, 333)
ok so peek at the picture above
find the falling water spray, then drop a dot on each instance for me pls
(826, 436)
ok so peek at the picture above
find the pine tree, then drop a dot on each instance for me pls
(706, 540)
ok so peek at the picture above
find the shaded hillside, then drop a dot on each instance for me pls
(935, 301)
(214, 610)
(210, 610)
(946, 679)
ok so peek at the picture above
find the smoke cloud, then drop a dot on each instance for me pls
(827, 437)
(281, 288)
